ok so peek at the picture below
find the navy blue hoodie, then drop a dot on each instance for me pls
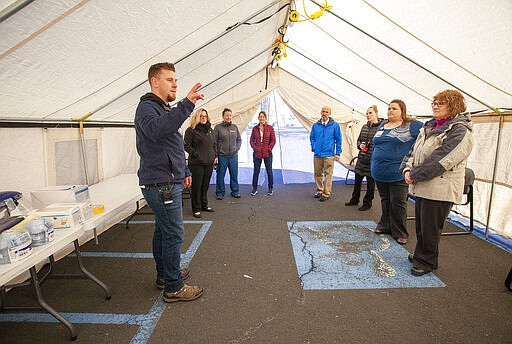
(159, 143)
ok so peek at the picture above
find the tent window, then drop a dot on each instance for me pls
(64, 156)
(69, 165)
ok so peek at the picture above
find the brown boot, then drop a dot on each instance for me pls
(187, 293)
(160, 282)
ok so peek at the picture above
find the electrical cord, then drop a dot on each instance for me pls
(261, 20)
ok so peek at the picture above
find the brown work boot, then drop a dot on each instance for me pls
(187, 293)
(160, 282)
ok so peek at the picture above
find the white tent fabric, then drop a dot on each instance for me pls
(64, 59)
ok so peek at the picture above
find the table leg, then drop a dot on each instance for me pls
(87, 273)
(46, 307)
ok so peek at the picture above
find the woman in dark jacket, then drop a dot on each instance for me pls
(262, 141)
(199, 144)
(362, 169)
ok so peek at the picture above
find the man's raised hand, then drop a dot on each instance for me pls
(193, 95)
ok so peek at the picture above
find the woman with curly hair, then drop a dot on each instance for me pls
(434, 170)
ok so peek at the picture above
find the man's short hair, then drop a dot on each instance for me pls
(226, 110)
(155, 69)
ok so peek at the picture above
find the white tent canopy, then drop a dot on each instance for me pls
(64, 59)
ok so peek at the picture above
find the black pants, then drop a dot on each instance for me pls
(430, 218)
(393, 199)
(201, 175)
(370, 190)
(256, 172)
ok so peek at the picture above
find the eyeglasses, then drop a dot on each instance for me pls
(203, 116)
(438, 103)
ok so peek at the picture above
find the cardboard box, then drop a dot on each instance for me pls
(60, 194)
(85, 209)
(61, 217)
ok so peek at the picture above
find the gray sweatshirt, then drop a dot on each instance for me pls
(227, 139)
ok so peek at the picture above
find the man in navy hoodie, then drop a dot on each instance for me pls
(325, 138)
(163, 173)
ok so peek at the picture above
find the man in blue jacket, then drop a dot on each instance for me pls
(325, 140)
(163, 173)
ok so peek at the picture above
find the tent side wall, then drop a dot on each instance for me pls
(32, 158)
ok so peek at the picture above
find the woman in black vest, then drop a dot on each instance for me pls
(199, 144)
(362, 169)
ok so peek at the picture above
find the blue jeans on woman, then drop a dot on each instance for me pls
(224, 163)
(168, 234)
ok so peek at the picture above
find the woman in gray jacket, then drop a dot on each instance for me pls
(434, 170)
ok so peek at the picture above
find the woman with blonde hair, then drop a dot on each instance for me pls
(434, 170)
(200, 146)
(362, 168)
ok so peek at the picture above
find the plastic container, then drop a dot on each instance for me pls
(15, 241)
(41, 231)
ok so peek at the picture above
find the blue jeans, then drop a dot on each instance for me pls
(227, 162)
(168, 235)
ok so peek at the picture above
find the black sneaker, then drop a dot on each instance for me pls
(254, 192)
(318, 194)
(270, 192)
(350, 203)
(323, 198)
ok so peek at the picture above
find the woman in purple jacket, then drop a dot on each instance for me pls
(262, 141)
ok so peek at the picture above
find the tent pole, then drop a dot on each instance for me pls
(273, 92)
(81, 121)
(13, 9)
(494, 172)
(407, 58)
(234, 27)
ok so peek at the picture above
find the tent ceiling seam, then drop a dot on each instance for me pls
(437, 51)
(228, 90)
(161, 52)
(128, 72)
(371, 64)
(206, 85)
(408, 58)
(42, 29)
(336, 74)
(234, 69)
(321, 82)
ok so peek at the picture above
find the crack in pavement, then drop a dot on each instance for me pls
(308, 252)
(252, 214)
